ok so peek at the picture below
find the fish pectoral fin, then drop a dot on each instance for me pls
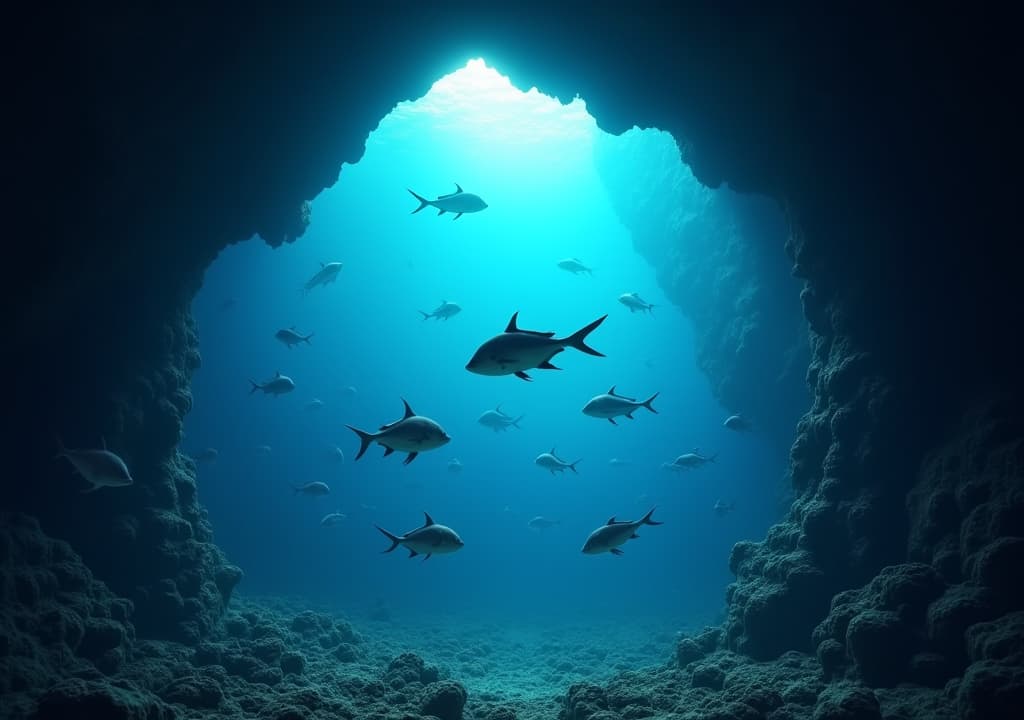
(634, 536)
(388, 451)
(616, 551)
(629, 415)
(427, 557)
(409, 458)
(612, 421)
(546, 365)
(457, 216)
(523, 376)
(440, 211)
(412, 553)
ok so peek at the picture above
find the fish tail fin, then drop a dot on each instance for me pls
(572, 465)
(308, 338)
(515, 423)
(711, 458)
(255, 386)
(647, 403)
(578, 339)
(647, 518)
(423, 202)
(395, 540)
(365, 439)
(426, 316)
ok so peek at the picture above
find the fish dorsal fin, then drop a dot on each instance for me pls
(612, 391)
(408, 410)
(511, 327)
(277, 373)
(458, 188)
(552, 453)
(497, 409)
(611, 520)
(427, 520)
(322, 265)
(696, 451)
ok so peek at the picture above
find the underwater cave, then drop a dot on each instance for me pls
(817, 207)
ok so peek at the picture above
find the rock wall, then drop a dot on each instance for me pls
(717, 257)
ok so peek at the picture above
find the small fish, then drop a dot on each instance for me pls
(332, 519)
(100, 468)
(634, 302)
(737, 423)
(550, 462)
(691, 460)
(515, 351)
(498, 421)
(290, 336)
(575, 266)
(541, 523)
(612, 405)
(277, 385)
(349, 392)
(428, 539)
(722, 508)
(312, 488)
(327, 274)
(620, 463)
(263, 450)
(458, 202)
(412, 434)
(207, 455)
(369, 508)
(612, 534)
(337, 454)
(443, 311)
(455, 465)
(314, 404)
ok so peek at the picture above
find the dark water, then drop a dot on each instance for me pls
(531, 159)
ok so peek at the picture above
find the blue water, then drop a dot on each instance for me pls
(531, 159)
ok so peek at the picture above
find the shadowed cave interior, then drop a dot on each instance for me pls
(149, 141)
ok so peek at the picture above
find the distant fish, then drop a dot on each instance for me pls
(498, 421)
(458, 202)
(100, 468)
(290, 336)
(737, 423)
(612, 405)
(575, 266)
(443, 311)
(634, 302)
(312, 488)
(550, 462)
(327, 274)
(541, 523)
(515, 351)
(428, 539)
(314, 404)
(691, 460)
(349, 392)
(332, 519)
(277, 385)
(412, 434)
(620, 463)
(611, 535)
(454, 465)
(723, 508)
(263, 450)
(337, 454)
(208, 455)
(369, 508)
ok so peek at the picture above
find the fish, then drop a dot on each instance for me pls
(327, 274)
(515, 351)
(611, 405)
(690, 460)
(312, 488)
(498, 421)
(367, 507)
(454, 465)
(428, 539)
(619, 462)
(458, 202)
(722, 508)
(290, 337)
(443, 311)
(277, 385)
(412, 434)
(614, 533)
(737, 423)
(207, 455)
(263, 450)
(314, 404)
(541, 523)
(337, 454)
(332, 519)
(101, 468)
(349, 392)
(634, 302)
(575, 266)
(550, 462)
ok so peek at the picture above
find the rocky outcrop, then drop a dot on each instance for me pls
(717, 257)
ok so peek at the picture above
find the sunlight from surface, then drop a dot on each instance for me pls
(477, 100)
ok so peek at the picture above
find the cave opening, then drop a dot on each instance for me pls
(725, 336)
